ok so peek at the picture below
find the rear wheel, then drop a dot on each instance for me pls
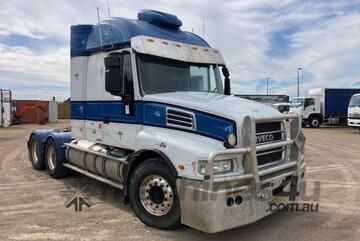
(54, 164)
(153, 195)
(35, 155)
(315, 122)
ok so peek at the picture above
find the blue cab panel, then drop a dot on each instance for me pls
(151, 114)
(85, 39)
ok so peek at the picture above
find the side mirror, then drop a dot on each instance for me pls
(114, 81)
(226, 74)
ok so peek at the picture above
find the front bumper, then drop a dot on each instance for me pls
(221, 203)
(354, 122)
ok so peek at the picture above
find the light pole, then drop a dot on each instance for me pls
(298, 81)
(267, 85)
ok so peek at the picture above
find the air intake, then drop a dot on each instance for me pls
(180, 118)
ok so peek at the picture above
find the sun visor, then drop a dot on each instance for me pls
(176, 50)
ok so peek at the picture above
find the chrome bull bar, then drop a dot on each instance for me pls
(293, 160)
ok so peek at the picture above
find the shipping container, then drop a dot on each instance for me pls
(31, 111)
(64, 110)
(5, 108)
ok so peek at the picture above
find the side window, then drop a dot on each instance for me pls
(213, 82)
(198, 78)
(127, 71)
(309, 102)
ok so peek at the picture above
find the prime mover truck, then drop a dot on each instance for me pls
(152, 116)
(323, 105)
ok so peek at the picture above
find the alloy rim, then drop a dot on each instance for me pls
(51, 158)
(34, 147)
(156, 195)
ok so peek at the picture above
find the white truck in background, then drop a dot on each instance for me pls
(150, 115)
(282, 107)
(354, 111)
(323, 105)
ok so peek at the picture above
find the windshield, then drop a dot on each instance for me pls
(297, 102)
(159, 75)
(355, 101)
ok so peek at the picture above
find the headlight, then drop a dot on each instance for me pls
(230, 140)
(351, 115)
(219, 167)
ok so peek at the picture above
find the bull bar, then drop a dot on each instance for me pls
(249, 149)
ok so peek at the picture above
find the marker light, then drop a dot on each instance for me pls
(230, 140)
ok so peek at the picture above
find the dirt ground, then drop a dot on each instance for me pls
(32, 205)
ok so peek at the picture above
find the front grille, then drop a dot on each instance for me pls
(269, 156)
(269, 126)
(268, 133)
(180, 118)
(356, 115)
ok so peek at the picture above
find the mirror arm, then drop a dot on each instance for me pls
(227, 89)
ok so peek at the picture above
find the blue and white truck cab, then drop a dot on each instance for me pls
(354, 111)
(152, 115)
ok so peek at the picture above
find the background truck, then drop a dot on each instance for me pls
(150, 115)
(323, 105)
(354, 111)
(282, 107)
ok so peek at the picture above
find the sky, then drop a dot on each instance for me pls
(257, 38)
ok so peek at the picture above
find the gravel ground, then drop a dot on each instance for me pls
(32, 205)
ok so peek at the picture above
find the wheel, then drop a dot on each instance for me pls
(315, 122)
(303, 125)
(37, 160)
(153, 195)
(54, 164)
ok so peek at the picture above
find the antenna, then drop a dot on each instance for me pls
(111, 36)
(203, 27)
(100, 33)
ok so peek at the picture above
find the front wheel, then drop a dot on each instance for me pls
(315, 122)
(153, 195)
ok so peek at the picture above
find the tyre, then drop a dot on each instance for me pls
(54, 164)
(35, 156)
(315, 122)
(153, 195)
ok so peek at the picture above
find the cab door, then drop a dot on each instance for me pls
(120, 117)
(309, 107)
